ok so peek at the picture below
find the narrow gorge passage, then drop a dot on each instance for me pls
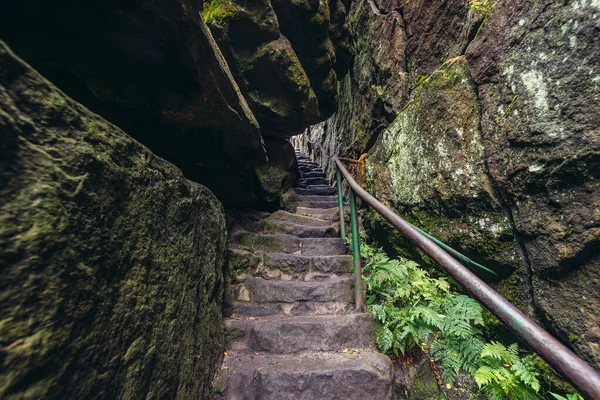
(294, 333)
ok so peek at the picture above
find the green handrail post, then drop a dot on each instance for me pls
(341, 203)
(359, 297)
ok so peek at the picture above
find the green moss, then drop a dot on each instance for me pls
(446, 77)
(483, 7)
(217, 11)
(419, 80)
(573, 337)
(245, 239)
(425, 384)
(551, 379)
(510, 289)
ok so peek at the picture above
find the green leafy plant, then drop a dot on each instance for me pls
(571, 396)
(417, 310)
(505, 375)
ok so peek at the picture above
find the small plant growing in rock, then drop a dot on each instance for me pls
(484, 7)
(217, 11)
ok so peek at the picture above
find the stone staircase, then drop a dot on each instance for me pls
(294, 333)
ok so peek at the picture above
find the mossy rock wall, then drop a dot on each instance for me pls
(286, 56)
(490, 142)
(112, 262)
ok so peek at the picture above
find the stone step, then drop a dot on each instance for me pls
(293, 309)
(306, 376)
(279, 243)
(310, 166)
(286, 216)
(307, 183)
(311, 204)
(323, 247)
(282, 243)
(293, 195)
(307, 333)
(317, 190)
(308, 169)
(260, 290)
(299, 225)
(296, 264)
(329, 214)
(291, 200)
(312, 174)
(316, 181)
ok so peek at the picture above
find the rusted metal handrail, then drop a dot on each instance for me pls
(583, 377)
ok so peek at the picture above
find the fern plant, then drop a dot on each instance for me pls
(505, 375)
(403, 298)
(459, 343)
(570, 396)
(418, 310)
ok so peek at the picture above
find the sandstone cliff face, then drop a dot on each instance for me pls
(495, 152)
(112, 262)
(286, 55)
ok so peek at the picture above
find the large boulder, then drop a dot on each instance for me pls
(537, 67)
(112, 262)
(490, 141)
(429, 166)
(285, 55)
(151, 67)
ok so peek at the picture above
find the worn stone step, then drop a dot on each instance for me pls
(317, 190)
(291, 200)
(329, 214)
(313, 333)
(308, 167)
(293, 309)
(314, 181)
(323, 247)
(311, 204)
(301, 184)
(292, 194)
(306, 376)
(303, 231)
(282, 243)
(278, 243)
(299, 225)
(290, 263)
(312, 174)
(260, 290)
(282, 215)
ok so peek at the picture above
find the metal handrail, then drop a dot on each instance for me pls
(583, 377)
